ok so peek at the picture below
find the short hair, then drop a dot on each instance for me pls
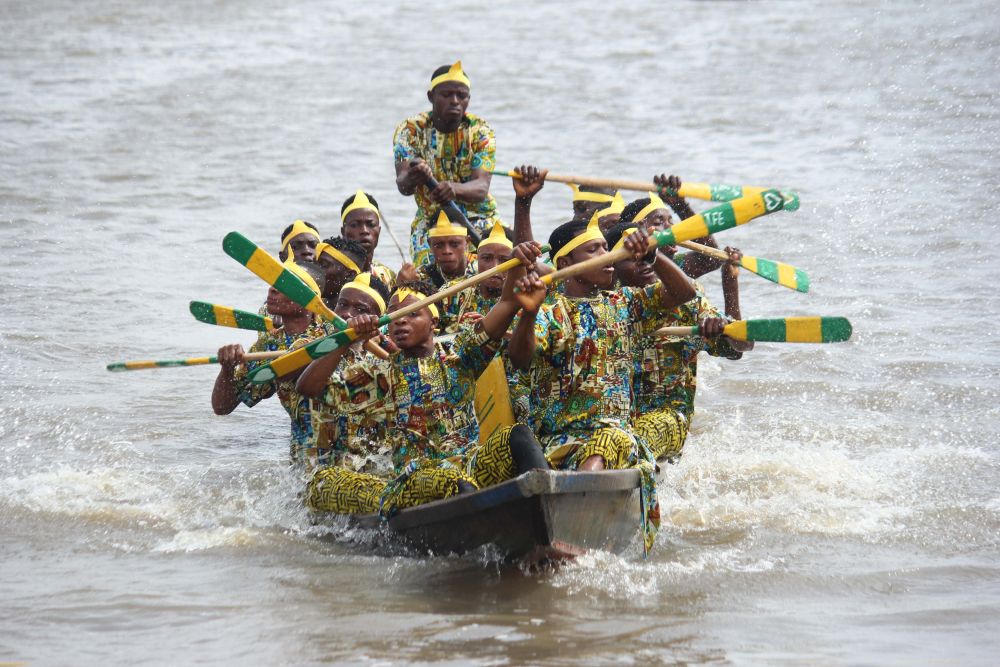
(563, 234)
(425, 287)
(376, 284)
(614, 235)
(289, 228)
(632, 210)
(349, 247)
(350, 200)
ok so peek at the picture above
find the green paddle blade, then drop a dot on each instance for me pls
(785, 275)
(792, 330)
(222, 316)
(720, 218)
(302, 357)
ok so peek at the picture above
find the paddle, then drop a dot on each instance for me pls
(222, 316)
(779, 330)
(783, 274)
(709, 191)
(193, 361)
(725, 216)
(301, 357)
(455, 214)
(392, 235)
(271, 271)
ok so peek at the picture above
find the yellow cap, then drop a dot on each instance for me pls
(591, 233)
(363, 283)
(581, 195)
(497, 237)
(655, 204)
(444, 227)
(621, 241)
(617, 206)
(337, 255)
(298, 227)
(403, 292)
(360, 201)
(454, 73)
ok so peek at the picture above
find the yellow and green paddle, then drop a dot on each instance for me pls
(303, 356)
(719, 218)
(223, 316)
(709, 191)
(778, 330)
(785, 275)
(275, 274)
(193, 361)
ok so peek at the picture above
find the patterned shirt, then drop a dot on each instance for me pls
(295, 404)
(666, 367)
(456, 306)
(452, 157)
(581, 375)
(351, 428)
(432, 274)
(430, 399)
(385, 274)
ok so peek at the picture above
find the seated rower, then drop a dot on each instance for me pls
(471, 304)
(299, 241)
(663, 380)
(341, 260)
(429, 393)
(588, 199)
(361, 221)
(577, 356)
(231, 387)
(451, 259)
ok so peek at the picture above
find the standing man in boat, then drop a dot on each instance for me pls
(361, 221)
(455, 148)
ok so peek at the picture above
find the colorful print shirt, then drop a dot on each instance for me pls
(456, 306)
(666, 368)
(432, 274)
(385, 274)
(581, 376)
(452, 157)
(430, 399)
(350, 427)
(295, 404)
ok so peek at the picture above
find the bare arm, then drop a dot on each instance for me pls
(225, 398)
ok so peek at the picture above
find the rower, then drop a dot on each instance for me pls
(450, 253)
(471, 304)
(231, 387)
(429, 391)
(299, 241)
(361, 221)
(588, 199)
(341, 260)
(455, 148)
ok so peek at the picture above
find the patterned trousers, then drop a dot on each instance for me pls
(664, 431)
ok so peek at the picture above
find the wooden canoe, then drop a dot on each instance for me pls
(541, 515)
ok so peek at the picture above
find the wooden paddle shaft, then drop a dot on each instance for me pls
(392, 235)
(612, 183)
(705, 250)
(592, 263)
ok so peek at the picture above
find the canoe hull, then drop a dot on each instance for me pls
(539, 515)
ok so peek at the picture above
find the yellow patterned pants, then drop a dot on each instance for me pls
(425, 480)
(664, 431)
(616, 445)
(344, 491)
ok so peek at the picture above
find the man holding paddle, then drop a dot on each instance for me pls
(454, 148)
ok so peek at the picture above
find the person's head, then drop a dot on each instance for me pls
(576, 241)
(340, 260)
(609, 216)
(649, 211)
(587, 199)
(493, 250)
(364, 295)
(299, 241)
(361, 221)
(630, 272)
(414, 331)
(449, 94)
(280, 305)
(449, 245)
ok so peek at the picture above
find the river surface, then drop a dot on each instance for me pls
(836, 504)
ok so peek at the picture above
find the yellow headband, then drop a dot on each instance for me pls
(621, 241)
(454, 73)
(362, 282)
(444, 227)
(497, 237)
(402, 293)
(580, 195)
(298, 227)
(616, 207)
(303, 274)
(360, 201)
(591, 233)
(337, 255)
(655, 204)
